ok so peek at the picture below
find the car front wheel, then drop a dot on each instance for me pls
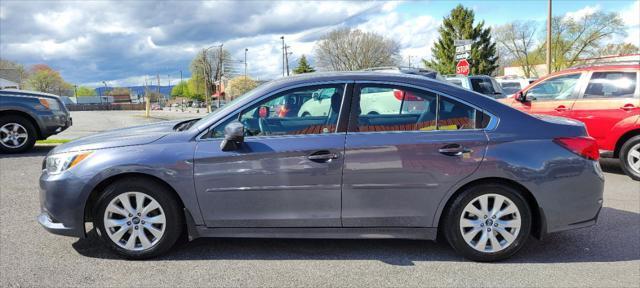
(138, 219)
(17, 134)
(488, 222)
(630, 157)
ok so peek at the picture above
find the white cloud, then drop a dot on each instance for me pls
(415, 35)
(631, 15)
(579, 14)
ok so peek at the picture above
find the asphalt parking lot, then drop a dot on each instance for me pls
(604, 255)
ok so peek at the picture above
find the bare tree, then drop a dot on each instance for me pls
(347, 50)
(517, 42)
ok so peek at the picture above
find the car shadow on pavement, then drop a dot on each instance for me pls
(34, 152)
(614, 238)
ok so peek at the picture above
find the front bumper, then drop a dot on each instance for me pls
(61, 204)
(54, 227)
(55, 123)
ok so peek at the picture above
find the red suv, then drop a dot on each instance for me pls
(606, 98)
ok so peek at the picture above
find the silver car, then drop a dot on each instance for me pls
(460, 165)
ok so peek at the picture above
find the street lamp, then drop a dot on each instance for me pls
(245, 62)
(105, 90)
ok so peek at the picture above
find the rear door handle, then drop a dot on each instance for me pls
(628, 107)
(322, 156)
(453, 150)
(561, 108)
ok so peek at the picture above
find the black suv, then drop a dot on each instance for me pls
(27, 116)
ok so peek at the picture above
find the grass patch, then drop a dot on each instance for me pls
(53, 141)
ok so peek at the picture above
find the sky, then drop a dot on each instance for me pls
(124, 42)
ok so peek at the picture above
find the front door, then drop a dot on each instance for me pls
(609, 98)
(553, 96)
(287, 173)
(400, 162)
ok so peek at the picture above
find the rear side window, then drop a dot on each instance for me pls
(394, 108)
(484, 86)
(611, 85)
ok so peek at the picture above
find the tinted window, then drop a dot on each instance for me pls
(392, 108)
(484, 86)
(557, 88)
(300, 111)
(510, 87)
(611, 85)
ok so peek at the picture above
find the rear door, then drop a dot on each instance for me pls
(399, 164)
(552, 96)
(608, 98)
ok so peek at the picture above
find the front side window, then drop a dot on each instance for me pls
(557, 88)
(309, 110)
(510, 87)
(611, 85)
(395, 108)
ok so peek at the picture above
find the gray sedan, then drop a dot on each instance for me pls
(443, 162)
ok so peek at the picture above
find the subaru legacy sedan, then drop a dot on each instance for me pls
(455, 165)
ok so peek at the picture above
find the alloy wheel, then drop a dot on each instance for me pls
(490, 223)
(134, 221)
(13, 135)
(633, 158)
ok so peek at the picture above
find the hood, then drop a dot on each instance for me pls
(137, 135)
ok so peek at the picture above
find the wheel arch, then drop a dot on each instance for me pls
(27, 116)
(99, 188)
(538, 226)
(626, 136)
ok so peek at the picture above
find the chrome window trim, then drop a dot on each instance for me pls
(255, 101)
(493, 122)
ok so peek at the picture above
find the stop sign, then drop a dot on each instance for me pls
(462, 67)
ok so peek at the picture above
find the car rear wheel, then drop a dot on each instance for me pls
(138, 219)
(630, 157)
(488, 222)
(17, 134)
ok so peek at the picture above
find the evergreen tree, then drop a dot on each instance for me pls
(303, 66)
(459, 25)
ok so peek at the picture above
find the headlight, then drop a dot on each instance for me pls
(59, 163)
(49, 104)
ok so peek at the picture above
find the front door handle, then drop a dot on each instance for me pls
(453, 150)
(628, 107)
(322, 156)
(561, 108)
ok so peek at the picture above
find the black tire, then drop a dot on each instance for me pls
(624, 153)
(30, 130)
(167, 200)
(306, 114)
(452, 215)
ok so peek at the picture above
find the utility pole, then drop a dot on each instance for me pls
(286, 57)
(245, 62)
(220, 67)
(409, 61)
(283, 53)
(159, 95)
(180, 76)
(206, 66)
(147, 98)
(549, 19)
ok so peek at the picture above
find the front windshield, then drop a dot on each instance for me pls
(230, 106)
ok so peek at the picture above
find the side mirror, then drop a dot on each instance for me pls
(521, 96)
(233, 136)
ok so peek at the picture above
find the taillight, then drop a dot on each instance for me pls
(408, 96)
(586, 147)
